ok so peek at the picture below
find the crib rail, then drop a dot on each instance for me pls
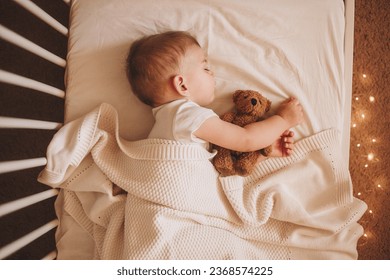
(33, 46)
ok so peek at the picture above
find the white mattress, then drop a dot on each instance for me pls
(287, 48)
(281, 48)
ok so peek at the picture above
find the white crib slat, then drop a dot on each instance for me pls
(27, 239)
(21, 203)
(41, 14)
(8, 122)
(14, 38)
(14, 79)
(15, 165)
(51, 256)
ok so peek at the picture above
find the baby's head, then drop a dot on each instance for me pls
(160, 67)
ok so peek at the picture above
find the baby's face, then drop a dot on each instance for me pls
(198, 75)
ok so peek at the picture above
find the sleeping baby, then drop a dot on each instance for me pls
(170, 72)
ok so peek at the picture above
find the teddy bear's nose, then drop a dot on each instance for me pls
(254, 101)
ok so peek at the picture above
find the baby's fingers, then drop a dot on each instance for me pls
(288, 145)
(288, 133)
(288, 149)
(288, 140)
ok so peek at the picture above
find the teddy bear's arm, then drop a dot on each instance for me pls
(228, 117)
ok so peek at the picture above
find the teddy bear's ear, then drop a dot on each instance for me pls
(268, 105)
(236, 95)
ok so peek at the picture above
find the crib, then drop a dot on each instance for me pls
(34, 42)
(32, 108)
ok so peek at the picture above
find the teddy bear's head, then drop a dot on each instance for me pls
(251, 102)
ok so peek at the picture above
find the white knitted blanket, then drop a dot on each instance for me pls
(173, 204)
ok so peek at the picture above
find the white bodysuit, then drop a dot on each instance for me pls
(178, 120)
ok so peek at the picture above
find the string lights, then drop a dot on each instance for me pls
(365, 150)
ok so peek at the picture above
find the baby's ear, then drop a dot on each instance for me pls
(180, 85)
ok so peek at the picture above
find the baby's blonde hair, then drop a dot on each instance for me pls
(153, 60)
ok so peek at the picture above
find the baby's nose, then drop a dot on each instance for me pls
(254, 101)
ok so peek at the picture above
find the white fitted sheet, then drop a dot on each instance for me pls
(281, 48)
(287, 48)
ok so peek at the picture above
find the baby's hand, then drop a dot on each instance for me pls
(291, 111)
(284, 145)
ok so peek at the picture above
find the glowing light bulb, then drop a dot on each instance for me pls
(379, 186)
(358, 145)
(363, 116)
(373, 140)
(359, 194)
(370, 156)
(366, 165)
(356, 98)
(372, 98)
(370, 211)
(354, 125)
(364, 76)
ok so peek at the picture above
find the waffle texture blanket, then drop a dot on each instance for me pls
(159, 199)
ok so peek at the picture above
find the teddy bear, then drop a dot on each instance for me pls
(250, 106)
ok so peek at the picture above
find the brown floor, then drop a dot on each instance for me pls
(371, 78)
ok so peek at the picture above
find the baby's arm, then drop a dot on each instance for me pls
(254, 136)
(250, 138)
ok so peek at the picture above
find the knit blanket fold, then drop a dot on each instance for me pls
(160, 199)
